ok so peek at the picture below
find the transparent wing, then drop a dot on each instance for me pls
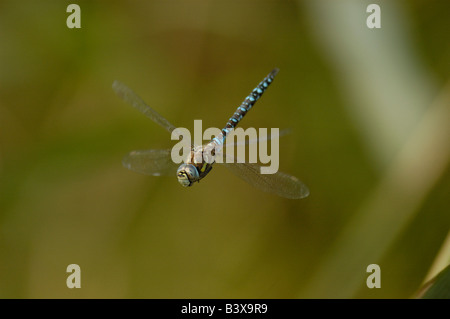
(151, 162)
(281, 184)
(132, 98)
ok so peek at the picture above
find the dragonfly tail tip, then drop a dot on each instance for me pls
(275, 71)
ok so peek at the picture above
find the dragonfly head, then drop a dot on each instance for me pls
(187, 174)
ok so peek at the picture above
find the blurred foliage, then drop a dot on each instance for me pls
(439, 287)
(369, 111)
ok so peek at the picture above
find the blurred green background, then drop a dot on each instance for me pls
(369, 109)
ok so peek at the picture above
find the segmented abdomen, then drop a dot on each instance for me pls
(246, 106)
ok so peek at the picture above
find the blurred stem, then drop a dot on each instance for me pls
(385, 87)
(388, 93)
(390, 207)
(438, 287)
(441, 261)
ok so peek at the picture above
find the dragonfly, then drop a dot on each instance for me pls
(158, 162)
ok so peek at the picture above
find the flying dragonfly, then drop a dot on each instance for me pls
(158, 162)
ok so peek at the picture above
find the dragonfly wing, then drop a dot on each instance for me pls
(132, 98)
(151, 162)
(281, 184)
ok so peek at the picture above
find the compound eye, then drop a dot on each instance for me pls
(183, 179)
(187, 174)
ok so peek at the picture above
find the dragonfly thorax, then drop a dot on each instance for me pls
(197, 165)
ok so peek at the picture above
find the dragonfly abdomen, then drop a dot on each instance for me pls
(246, 105)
